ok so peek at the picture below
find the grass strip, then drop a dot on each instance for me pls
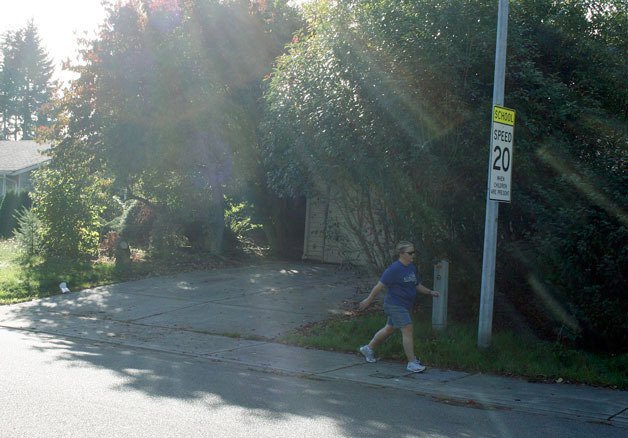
(456, 348)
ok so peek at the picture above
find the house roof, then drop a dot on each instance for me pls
(20, 156)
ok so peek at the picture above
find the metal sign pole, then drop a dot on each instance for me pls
(492, 207)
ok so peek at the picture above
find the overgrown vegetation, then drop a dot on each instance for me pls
(511, 354)
(384, 105)
(164, 113)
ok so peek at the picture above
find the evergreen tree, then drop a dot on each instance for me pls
(26, 85)
(8, 85)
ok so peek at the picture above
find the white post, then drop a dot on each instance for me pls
(485, 324)
(439, 304)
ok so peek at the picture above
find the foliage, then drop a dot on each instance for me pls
(11, 204)
(570, 211)
(36, 277)
(586, 261)
(238, 216)
(384, 106)
(357, 105)
(136, 223)
(165, 106)
(26, 85)
(69, 206)
(28, 233)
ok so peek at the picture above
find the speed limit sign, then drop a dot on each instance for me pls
(502, 130)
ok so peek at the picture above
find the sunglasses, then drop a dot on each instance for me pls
(411, 252)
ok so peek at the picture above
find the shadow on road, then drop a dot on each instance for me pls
(158, 336)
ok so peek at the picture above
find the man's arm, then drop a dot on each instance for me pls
(368, 300)
(422, 289)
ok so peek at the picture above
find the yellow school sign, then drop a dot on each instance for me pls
(503, 115)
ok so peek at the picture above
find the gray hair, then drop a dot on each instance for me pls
(403, 245)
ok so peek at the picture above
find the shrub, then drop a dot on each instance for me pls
(591, 273)
(68, 206)
(166, 237)
(28, 232)
(136, 223)
(10, 204)
(238, 218)
(112, 217)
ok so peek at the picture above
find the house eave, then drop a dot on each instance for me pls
(23, 169)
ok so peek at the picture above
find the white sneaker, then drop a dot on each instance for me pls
(415, 366)
(368, 353)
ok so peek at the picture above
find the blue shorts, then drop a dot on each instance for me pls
(397, 316)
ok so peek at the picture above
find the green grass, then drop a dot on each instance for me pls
(456, 348)
(10, 271)
(22, 280)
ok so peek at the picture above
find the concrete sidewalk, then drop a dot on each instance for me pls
(231, 315)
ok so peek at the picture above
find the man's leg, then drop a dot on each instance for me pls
(407, 337)
(381, 336)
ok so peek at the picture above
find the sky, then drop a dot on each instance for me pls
(59, 23)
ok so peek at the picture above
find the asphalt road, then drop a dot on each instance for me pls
(52, 386)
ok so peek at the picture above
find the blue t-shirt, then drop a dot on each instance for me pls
(401, 282)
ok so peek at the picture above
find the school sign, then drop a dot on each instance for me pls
(502, 130)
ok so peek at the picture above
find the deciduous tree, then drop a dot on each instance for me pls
(387, 102)
(165, 106)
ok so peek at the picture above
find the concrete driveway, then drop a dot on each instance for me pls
(261, 302)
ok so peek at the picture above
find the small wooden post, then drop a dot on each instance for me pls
(439, 304)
